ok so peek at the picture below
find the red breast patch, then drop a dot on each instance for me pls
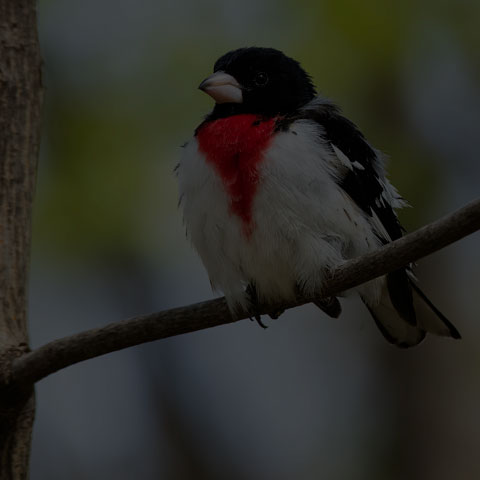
(235, 146)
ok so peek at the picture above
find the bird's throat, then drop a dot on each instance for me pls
(235, 146)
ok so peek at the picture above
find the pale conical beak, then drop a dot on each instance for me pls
(223, 88)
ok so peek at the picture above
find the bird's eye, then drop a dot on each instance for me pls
(261, 79)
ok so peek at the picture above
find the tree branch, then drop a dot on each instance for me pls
(63, 352)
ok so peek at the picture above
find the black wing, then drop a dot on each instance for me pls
(363, 184)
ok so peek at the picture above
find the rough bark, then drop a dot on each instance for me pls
(20, 104)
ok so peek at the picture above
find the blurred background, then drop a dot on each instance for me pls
(310, 397)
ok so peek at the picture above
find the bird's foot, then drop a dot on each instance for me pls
(258, 318)
(251, 292)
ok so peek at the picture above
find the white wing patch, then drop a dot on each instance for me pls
(358, 165)
(344, 160)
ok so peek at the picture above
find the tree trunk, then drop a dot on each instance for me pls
(20, 104)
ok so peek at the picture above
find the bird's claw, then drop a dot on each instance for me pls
(259, 321)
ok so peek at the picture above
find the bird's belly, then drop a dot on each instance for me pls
(235, 257)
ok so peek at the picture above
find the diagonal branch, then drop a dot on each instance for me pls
(64, 352)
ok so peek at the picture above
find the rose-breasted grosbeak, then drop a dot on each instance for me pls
(277, 187)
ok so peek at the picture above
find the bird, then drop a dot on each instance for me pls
(278, 187)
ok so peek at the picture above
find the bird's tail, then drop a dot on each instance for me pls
(407, 326)
(430, 317)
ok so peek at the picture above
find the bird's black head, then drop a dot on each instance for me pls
(256, 80)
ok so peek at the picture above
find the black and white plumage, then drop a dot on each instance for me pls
(277, 187)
